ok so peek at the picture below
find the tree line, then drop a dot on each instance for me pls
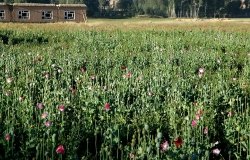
(159, 8)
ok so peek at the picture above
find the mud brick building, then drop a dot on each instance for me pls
(42, 13)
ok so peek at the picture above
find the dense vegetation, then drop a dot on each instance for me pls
(124, 94)
(163, 8)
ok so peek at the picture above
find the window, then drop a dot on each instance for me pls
(2, 14)
(47, 15)
(69, 15)
(24, 14)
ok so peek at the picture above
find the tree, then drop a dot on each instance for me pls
(103, 4)
(171, 8)
(125, 4)
(93, 7)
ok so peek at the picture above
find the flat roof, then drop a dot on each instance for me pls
(3, 3)
(33, 4)
(71, 5)
(46, 5)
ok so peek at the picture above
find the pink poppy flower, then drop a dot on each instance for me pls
(205, 131)
(216, 151)
(107, 106)
(230, 114)
(164, 146)
(61, 107)
(7, 137)
(40, 105)
(194, 123)
(197, 117)
(48, 123)
(60, 149)
(44, 115)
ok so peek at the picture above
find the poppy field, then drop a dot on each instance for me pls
(115, 94)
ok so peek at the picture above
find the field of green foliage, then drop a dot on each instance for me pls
(113, 94)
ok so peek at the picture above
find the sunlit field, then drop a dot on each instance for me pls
(175, 89)
(240, 24)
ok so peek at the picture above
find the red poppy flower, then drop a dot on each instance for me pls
(107, 106)
(60, 149)
(178, 142)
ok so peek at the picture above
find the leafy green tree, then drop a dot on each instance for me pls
(93, 7)
(125, 4)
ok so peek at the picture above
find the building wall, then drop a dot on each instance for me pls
(79, 13)
(26, 12)
(7, 13)
(35, 13)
